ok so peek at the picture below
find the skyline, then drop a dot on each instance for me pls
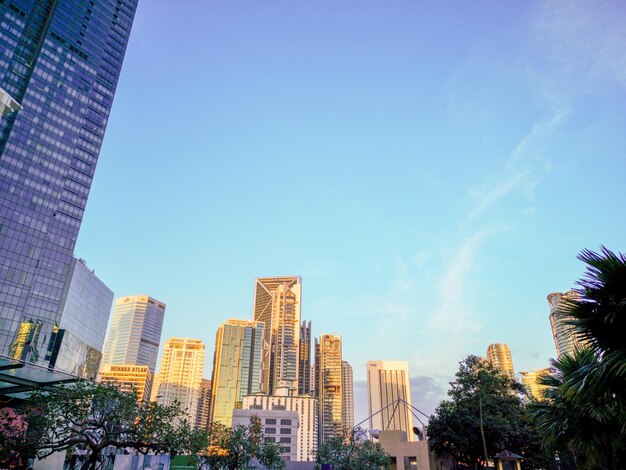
(420, 207)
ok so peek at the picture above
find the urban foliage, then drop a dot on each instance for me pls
(583, 416)
(353, 451)
(238, 447)
(482, 393)
(91, 418)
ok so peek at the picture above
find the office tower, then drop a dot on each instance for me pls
(60, 60)
(279, 426)
(304, 363)
(347, 396)
(180, 374)
(236, 366)
(78, 339)
(565, 339)
(138, 378)
(389, 390)
(328, 385)
(307, 408)
(530, 381)
(499, 356)
(277, 304)
(204, 405)
(135, 332)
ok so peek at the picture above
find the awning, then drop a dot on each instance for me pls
(18, 377)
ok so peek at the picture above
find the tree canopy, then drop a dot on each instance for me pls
(353, 451)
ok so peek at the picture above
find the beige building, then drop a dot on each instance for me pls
(389, 390)
(236, 367)
(180, 375)
(204, 405)
(347, 396)
(565, 339)
(499, 356)
(128, 377)
(277, 304)
(530, 381)
(307, 408)
(328, 385)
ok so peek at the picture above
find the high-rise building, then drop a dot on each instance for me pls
(204, 405)
(180, 374)
(135, 333)
(78, 339)
(328, 385)
(530, 381)
(389, 396)
(307, 408)
(565, 339)
(60, 60)
(129, 378)
(499, 356)
(277, 304)
(347, 396)
(236, 366)
(304, 363)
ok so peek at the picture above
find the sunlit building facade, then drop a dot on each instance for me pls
(129, 378)
(530, 381)
(328, 386)
(388, 385)
(236, 366)
(180, 374)
(135, 333)
(565, 339)
(277, 304)
(347, 396)
(304, 363)
(59, 66)
(204, 405)
(278, 425)
(499, 356)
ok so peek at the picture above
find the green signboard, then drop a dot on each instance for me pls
(183, 462)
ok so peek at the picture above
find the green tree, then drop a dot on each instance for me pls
(483, 402)
(352, 451)
(93, 416)
(238, 447)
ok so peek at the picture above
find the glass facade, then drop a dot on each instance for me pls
(328, 386)
(60, 59)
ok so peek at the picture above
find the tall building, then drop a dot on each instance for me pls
(347, 396)
(138, 378)
(135, 333)
(180, 374)
(530, 381)
(277, 304)
(306, 406)
(328, 385)
(565, 339)
(204, 405)
(304, 362)
(60, 60)
(78, 339)
(499, 356)
(389, 388)
(236, 366)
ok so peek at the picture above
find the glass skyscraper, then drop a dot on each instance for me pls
(60, 60)
(328, 386)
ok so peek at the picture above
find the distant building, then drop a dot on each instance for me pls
(135, 332)
(347, 396)
(530, 381)
(180, 374)
(565, 339)
(236, 366)
(387, 382)
(204, 405)
(305, 406)
(129, 378)
(304, 362)
(77, 340)
(328, 385)
(277, 304)
(279, 426)
(499, 356)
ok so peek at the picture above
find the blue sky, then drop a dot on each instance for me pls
(431, 169)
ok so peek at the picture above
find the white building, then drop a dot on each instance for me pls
(347, 396)
(565, 339)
